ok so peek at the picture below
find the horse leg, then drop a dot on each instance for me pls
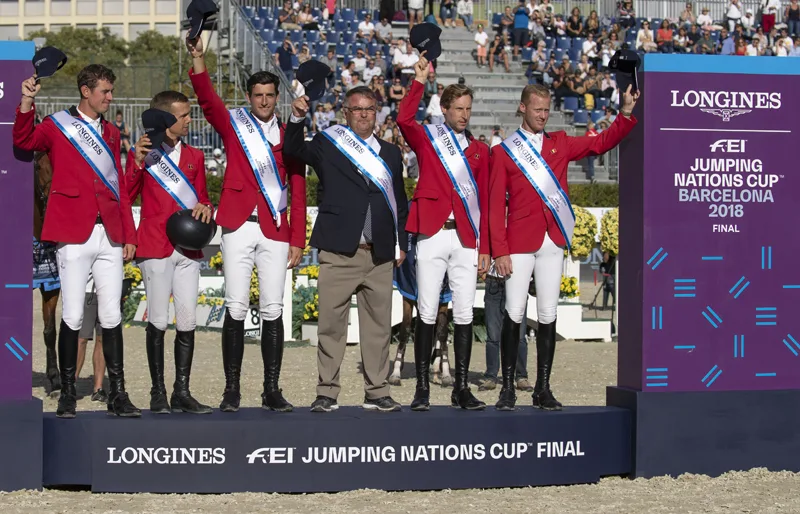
(403, 336)
(49, 303)
(442, 326)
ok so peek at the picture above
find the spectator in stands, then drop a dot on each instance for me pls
(376, 85)
(124, 132)
(549, 71)
(560, 26)
(575, 24)
(593, 86)
(754, 48)
(626, 16)
(734, 14)
(782, 46)
(410, 162)
(726, 44)
(664, 39)
(498, 53)
(283, 57)
(366, 27)
(796, 50)
(406, 65)
(332, 63)
(592, 25)
(687, 17)
(498, 135)
(360, 61)
(748, 22)
(306, 19)
(536, 27)
(465, 10)
(769, 9)
(430, 88)
(371, 71)
(787, 40)
(380, 63)
(608, 86)
(415, 12)
(741, 47)
(434, 107)
(584, 65)
(644, 38)
(347, 75)
(447, 13)
(705, 45)
(590, 132)
(482, 40)
(520, 33)
(305, 54)
(287, 17)
(383, 32)
(680, 42)
(396, 93)
(694, 36)
(482, 138)
(506, 21)
(613, 39)
(704, 20)
(567, 64)
(538, 60)
(589, 47)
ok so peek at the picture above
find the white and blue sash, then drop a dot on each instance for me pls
(544, 181)
(171, 178)
(91, 146)
(455, 163)
(369, 164)
(262, 161)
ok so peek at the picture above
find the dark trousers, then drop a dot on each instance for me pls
(494, 305)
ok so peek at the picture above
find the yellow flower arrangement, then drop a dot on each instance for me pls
(134, 274)
(609, 232)
(254, 293)
(309, 228)
(216, 261)
(311, 309)
(583, 238)
(569, 287)
(311, 271)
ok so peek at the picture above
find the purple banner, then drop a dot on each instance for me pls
(709, 287)
(16, 230)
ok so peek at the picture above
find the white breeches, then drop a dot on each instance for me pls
(241, 249)
(177, 276)
(100, 258)
(546, 265)
(439, 254)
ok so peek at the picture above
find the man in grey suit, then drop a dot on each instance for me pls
(360, 236)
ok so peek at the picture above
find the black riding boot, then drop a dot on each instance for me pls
(545, 351)
(154, 342)
(462, 348)
(232, 354)
(53, 376)
(509, 348)
(68, 355)
(423, 342)
(181, 399)
(118, 402)
(272, 355)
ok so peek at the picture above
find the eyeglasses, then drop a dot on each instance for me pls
(359, 110)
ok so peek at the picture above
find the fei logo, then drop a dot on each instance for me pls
(728, 146)
(272, 456)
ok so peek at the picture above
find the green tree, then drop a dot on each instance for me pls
(82, 47)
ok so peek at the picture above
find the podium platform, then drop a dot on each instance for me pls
(260, 451)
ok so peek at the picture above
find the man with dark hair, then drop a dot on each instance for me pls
(448, 214)
(360, 236)
(255, 226)
(89, 216)
(170, 178)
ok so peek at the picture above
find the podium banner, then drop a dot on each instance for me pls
(16, 209)
(709, 285)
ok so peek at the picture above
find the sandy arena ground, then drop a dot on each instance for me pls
(582, 371)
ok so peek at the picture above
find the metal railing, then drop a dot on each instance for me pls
(201, 135)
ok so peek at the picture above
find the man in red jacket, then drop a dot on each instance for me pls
(448, 215)
(89, 216)
(171, 176)
(256, 229)
(530, 169)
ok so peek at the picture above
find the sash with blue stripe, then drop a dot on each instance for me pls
(369, 164)
(262, 160)
(91, 146)
(455, 163)
(171, 178)
(544, 181)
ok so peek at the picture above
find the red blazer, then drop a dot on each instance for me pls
(158, 205)
(435, 198)
(240, 191)
(76, 193)
(528, 217)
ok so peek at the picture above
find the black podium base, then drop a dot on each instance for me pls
(21, 445)
(258, 451)
(712, 432)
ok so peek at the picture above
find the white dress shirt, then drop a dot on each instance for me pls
(373, 143)
(463, 142)
(173, 152)
(94, 123)
(272, 131)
